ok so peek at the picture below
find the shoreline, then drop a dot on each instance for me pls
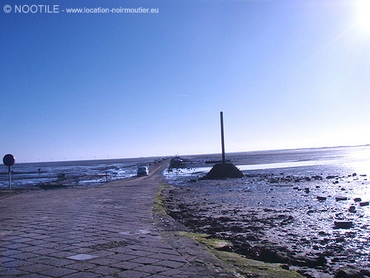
(277, 217)
(280, 219)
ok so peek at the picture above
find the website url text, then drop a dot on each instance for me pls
(55, 9)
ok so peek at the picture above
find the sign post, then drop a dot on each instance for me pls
(9, 161)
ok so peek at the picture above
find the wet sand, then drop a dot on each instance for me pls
(316, 224)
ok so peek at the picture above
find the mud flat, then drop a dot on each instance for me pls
(316, 224)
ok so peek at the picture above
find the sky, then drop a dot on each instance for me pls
(97, 85)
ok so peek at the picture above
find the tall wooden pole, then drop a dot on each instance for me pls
(222, 138)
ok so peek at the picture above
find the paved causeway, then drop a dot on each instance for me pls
(105, 231)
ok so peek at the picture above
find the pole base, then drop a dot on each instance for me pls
(223, 171)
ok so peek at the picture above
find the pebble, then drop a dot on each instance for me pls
(343, 224)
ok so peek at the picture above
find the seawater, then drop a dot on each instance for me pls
(323, 161)
(89, 172)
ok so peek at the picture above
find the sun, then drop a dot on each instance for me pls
(363, 15)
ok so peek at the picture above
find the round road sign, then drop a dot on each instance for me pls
(9, 160)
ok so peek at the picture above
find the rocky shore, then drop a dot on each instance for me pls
(315, 224)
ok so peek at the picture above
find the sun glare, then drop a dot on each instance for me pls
(363, 15)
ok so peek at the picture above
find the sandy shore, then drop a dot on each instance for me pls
(316, 224)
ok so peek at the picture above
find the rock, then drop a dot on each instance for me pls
(348, 273)
(312, 262)
(317, 178)
(272, 256)
(236, 229)
(307, 190)
(251, 238)
(352, 209)
(321, 261)
(342, 224)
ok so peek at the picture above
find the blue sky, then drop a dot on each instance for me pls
(286, 74)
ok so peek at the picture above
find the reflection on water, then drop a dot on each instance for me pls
(93, 172)
(339, 161)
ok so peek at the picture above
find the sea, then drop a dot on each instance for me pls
(330, 161)
(338, 161)
(71, 173)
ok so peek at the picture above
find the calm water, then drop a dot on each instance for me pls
(93, 172)
(349, 168)
(324, 161)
